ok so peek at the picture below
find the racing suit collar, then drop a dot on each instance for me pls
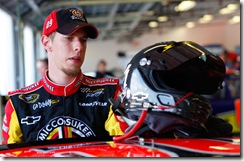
(60, 90)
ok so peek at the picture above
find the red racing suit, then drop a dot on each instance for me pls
(44, 110)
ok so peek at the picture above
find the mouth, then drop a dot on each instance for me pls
(75, 58)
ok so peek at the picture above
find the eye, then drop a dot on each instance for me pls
(83, 39)
(68, 38)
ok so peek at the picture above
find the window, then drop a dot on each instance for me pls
(29, 56)
(7, 65)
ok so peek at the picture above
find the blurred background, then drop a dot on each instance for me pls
(125, 27)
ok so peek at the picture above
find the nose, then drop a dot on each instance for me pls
(78, 45)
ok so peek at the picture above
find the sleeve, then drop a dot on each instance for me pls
(11, 130)
(115, 125)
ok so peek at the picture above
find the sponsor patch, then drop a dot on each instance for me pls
(46, 103)
(92, 93)
(29, 98)
(64, 127)
(30, 120)
(93, 104)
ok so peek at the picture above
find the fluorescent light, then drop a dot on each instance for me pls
(162, 18)
(232, 7)
(206, 18)
(153, 24)
(190, 24)
(185, 5)
(235, 19)
(229, 9)
(201, 20)
(224, 11)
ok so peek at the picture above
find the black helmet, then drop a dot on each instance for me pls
(183, 66)
(163, 87)
(170, 77)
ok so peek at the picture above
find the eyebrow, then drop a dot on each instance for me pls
(80, 35)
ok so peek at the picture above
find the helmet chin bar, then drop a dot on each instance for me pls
(197, 114)
(140, 93)
(188, 105)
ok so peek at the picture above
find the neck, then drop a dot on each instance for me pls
(60, 78)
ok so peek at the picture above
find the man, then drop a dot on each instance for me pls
(65, 103)
(41, 66)
(101, 71)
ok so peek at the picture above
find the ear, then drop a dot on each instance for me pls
(47, 43)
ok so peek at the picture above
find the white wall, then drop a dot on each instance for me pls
(103, 50)
(227, 35)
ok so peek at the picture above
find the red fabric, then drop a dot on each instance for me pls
(8, 112)
(50, 24)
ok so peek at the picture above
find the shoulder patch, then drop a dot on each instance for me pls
(99, 81)
(27, 89)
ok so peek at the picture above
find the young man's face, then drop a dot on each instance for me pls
(68, 52)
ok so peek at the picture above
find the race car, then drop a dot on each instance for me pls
(133, 147)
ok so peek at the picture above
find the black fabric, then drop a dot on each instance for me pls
(218, 127)
(169, 125)
(160, 122)
(71, 19)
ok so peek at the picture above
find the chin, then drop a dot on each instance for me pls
(72, 72)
